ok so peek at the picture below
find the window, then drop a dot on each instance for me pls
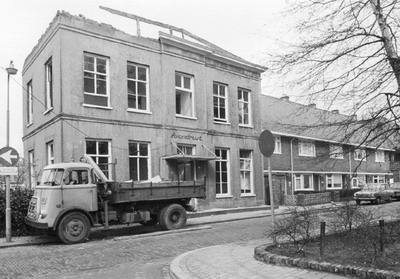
(49, 84)
(74, 177)
(306, 148)
(303, 182)
(334, 181)
(96, 90)
(222, 172)
(380, 156)
(246, 168)
(184, 95)
(220, 95)
(138, 87)
(358, 181)
(378, 179)
(139, 161)
(32, 173)
(99, 150)
(186, 169)
(50, 152)
(359, 155)
(335, 151)
(278, 145)
(30, 103)
(244, 107)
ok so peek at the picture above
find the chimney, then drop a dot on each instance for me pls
(285, 97)
(312, 105)
(335, 111)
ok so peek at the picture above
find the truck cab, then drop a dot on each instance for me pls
(63, 188)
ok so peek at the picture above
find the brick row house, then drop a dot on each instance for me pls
(144, 103)
(315, 154)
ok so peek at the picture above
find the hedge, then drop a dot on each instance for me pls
(19, 200)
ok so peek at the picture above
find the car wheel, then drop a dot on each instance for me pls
(358, 202)
(378, 200)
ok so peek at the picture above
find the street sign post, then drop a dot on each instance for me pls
(8, 159)
(266, 143)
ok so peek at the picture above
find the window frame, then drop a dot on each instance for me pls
(336, 151)
(249, 171)
(220, 161)
(362, 152)
(222, 102)
(50, 152)
(330, 180)
(183, 90)
(95, 73)
(96, 156)
(49, 85)
(278, 145)
(378, 179)
(247, 103)
(138, 159)
(300, 177)
(303, 148)
(379, 158)
(29, 88)
(31, 162)
(136, 80)
(359, 179)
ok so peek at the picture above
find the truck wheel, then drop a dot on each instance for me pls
(73, 228)
(172, 217)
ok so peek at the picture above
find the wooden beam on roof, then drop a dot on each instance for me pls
(159, 24)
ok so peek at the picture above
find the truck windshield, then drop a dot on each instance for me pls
(52, 177)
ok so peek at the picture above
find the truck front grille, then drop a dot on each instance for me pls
(32, 209)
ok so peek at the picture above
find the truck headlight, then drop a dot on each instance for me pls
(43, 214)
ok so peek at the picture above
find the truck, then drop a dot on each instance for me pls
(73, 197)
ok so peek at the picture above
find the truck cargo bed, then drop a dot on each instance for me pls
(123, 192)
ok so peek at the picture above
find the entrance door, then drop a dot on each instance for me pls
(279, 182)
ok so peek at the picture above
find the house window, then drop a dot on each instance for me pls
(222, 172)
(334, 181)
(380, 156)
(138, 87)
(246, 168)
(303, 182)
(359, 155)
(139, 161)
(378, 179)
(30, 103)
(358, 181)
(244, 107)
(96, 91)
(49, 84)
(99, 150)
(50, 152)
(220, 95)
(186, 169)
(306, 148)
(335, 151)
(32, 173)
(278, 145)
(184, 93)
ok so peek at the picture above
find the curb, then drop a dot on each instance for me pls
(262, 255)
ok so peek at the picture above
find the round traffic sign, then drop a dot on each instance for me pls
(266, 142)
(8, 156)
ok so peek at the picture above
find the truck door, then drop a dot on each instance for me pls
(78, 190)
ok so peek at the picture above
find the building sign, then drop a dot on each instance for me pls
(188, 136)
(8, 171)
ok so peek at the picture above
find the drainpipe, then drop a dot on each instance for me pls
(291, 164)
(350, 170)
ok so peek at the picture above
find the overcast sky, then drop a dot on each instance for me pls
(246, 28)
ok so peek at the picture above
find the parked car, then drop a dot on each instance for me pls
(374, 193)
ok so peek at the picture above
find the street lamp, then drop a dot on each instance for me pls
(10, 71)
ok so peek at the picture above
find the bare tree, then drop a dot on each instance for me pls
(346, 55)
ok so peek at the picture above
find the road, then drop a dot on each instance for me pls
(149, 254)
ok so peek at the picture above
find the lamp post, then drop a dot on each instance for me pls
(10, 71)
